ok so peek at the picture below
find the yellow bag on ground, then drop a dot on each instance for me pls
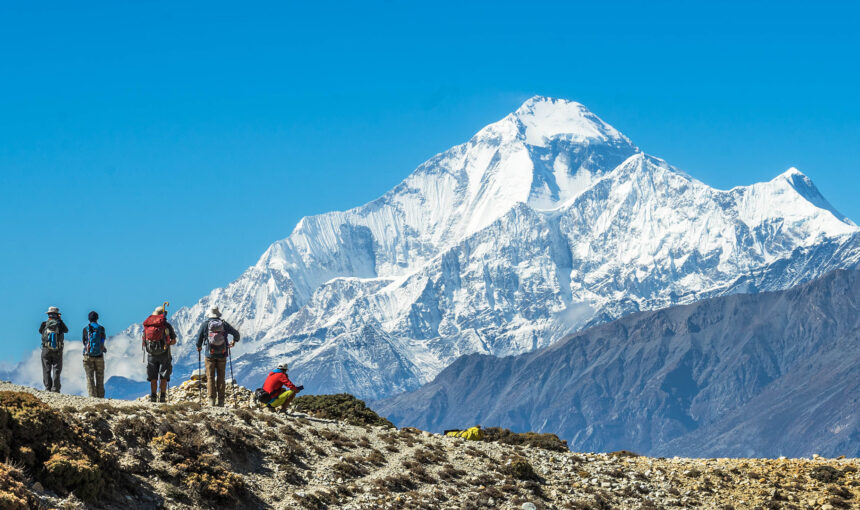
(470, 434)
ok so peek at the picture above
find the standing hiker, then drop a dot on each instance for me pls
(274, 386)
(214, 333)
(52, 331)
(158, 336)
(94, 338)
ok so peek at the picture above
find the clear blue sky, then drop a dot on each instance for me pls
(153, 150)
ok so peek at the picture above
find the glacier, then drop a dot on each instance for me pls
(543, 223)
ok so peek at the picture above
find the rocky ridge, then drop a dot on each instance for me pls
(130, 454)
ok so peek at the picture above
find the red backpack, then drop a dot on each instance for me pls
(155, 334)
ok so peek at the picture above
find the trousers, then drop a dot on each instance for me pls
(94, 367)
(52, 365)
(216, 366)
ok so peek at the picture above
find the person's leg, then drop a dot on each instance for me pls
(165, 370)
(290, 396)
(46, 370)
(221, 368)
(58, 367)
(152, 377)
(99, 369)
(210, 380)
(89, 373)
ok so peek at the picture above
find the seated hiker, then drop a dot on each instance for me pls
(281, 397)
(52, 331)
(94, 359)
(214, 333)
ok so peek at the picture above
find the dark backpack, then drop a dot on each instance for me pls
(52, 337)
(262, 396)
(93, 345)
(217, 337)
(155, 334)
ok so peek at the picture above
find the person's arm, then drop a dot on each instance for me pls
(232, 331)
(41, 328)
(171, 334)
(201, 335)
(288, 383)
(103, 334)
(84, 335)
(63, 328)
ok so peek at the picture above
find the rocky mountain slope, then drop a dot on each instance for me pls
(544, 222)
(767, 374)
(74, 452)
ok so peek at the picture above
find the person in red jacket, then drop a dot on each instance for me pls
(281, 389)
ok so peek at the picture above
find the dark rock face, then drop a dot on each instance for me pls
(768, 374)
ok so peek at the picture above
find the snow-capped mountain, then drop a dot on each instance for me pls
(544, 222)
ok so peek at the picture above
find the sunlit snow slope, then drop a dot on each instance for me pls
(544, 222)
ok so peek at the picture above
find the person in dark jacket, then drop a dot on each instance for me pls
(93, 337)
(159, 360)
(52, 331)
(281, 389)
(214, 333)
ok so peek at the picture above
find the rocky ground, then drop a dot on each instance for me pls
(64, 451)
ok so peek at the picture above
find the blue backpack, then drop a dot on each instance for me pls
(93, 345)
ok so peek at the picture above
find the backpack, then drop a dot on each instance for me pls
(155, 334)
(217, 337)
(470, 434)
(52, 337)
(93, 345)
(262, 396)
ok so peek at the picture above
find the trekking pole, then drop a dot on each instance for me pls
(199, 373)
(232, 380)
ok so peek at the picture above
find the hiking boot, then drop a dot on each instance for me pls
(212, 402)
(153, 398)
(163, 397)
(220, 402)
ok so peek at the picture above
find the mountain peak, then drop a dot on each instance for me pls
(803, 185)
(545, 118)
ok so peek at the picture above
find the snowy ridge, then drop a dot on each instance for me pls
(544, 222)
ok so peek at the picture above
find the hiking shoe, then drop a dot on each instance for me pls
(163, 397)
(220, 402)
(212, 402)
(153, 398)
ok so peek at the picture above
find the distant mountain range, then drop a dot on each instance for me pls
(766, 374)
(543, 223)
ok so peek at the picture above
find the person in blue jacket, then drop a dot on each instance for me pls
(94, 355)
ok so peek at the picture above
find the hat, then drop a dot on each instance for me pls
(93, 316)
(283, 366)
(213, 313)
(158, 311)
(53, 309)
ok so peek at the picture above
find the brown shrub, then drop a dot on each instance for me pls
(530, 439)
(13, 489)
(519, 469)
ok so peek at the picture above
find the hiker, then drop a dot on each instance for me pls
(94, 338)
(52, 331)
(274, 385)
(158, 336)
(214, 333)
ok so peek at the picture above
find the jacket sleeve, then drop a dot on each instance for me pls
(201, 335)
(84, 335)
(231, 330)
(288, 383)
(103, 333)
(41, 328)
(63, 328)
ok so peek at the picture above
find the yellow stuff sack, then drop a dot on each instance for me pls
(470, 434)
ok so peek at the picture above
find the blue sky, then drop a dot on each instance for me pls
(151, 151)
